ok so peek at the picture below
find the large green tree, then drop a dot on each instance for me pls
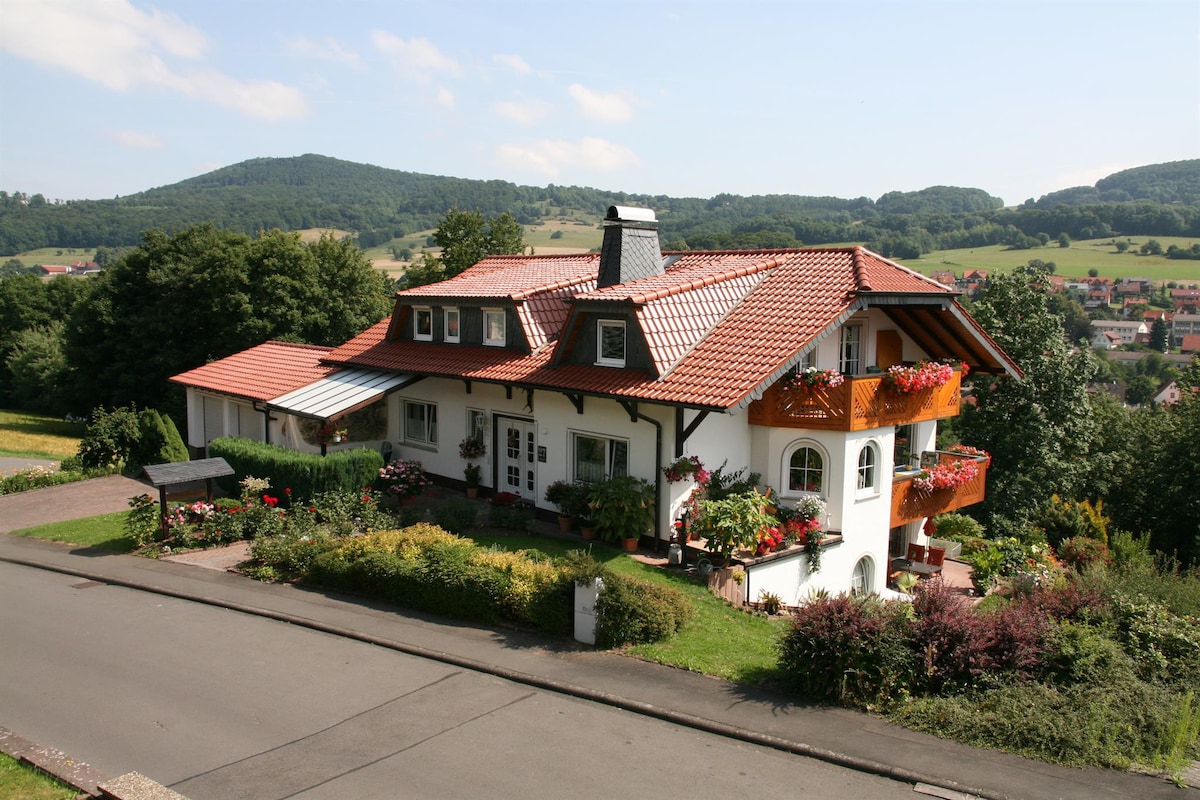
(1039, 429)
(466, 238)
(179, 300)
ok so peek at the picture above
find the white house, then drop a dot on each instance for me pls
(581, 366)
(1126, 330)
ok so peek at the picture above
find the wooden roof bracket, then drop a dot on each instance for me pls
(682, 432)
(576, 400)
(631, 408)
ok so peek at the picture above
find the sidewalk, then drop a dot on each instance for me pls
(852, 739)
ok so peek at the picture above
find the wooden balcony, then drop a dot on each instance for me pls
(910, 504)
(858, 404)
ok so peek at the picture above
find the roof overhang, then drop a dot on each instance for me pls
(941, 328)
(339, 393)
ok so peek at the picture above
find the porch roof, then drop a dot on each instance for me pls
(338, 393)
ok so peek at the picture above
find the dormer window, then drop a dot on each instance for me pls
(493, 327)
(451, 319)
(423, 323)
(610, 338)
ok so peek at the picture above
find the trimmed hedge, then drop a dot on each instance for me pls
(306, 474)
(425, 568)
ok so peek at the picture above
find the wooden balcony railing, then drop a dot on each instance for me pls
(858, 404)
(910, 504)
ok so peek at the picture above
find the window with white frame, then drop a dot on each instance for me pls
(450, 321)
(863, 577)
(868, 468)
(423, 323)
(805, 470)
(476, 424)
(610, 337)
(597, 457)
(493, 327)
(807, 361)
(902, 451)
(420, 423)
(850, 357)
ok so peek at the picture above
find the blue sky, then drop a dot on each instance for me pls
(100, 98)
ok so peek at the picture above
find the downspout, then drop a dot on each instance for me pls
(635, 415)
(266, 412)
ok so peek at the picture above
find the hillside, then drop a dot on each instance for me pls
(379, 205)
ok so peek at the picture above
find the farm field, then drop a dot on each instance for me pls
(53, 255)
(1073, 261)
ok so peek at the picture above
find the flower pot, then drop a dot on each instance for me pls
(588, 533)
(629, 544)
(565, 524)
(472, 492)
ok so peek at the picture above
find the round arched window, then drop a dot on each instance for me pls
(806, 470)
(862, 580)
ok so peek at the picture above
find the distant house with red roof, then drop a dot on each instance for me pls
(1187, 301)
(582, 367)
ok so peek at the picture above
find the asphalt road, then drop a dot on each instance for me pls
(218, 704)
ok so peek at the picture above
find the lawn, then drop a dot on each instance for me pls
(1073, 261)
(106, 532)
(25, 435)
(54, 255)
(20, 781)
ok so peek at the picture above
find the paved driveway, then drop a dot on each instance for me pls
(70, 501)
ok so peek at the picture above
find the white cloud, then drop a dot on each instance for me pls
(602, 106)
(551, 157)
(513, 62)
(326, 50)
(136, 140)
(418, 59)
(444, 97)
(114, 44)
(529, 112)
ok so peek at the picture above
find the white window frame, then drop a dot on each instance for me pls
(603, 360)
(488, 315)
(449, 313)
(788, 453)
(476, 424)
(614, 448)
(866, 475)
(852, 364)
(428, 435)
(862, 577)
(419, 313)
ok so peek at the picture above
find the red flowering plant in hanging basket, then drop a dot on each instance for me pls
(686, 467)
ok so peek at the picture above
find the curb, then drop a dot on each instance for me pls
(561, 687)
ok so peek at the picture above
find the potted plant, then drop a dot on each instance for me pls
(686, 467)
(404, 479)
(471, 476)
(568, 498)
(623, 508)
(810, 511)
(731, 523)
(923, 375)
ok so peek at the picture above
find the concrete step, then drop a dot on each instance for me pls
(136, 786)
(76, 774)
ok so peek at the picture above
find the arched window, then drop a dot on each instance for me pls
(862, 579)
(805, 470)
(868, 471)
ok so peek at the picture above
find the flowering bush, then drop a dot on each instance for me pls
(683, 467)
(404, 478)
(813, 379)
(918, 377)
(472, 448)
(947, 475)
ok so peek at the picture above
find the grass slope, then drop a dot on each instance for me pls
(26, 435)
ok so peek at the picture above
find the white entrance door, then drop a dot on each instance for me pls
(518, 458)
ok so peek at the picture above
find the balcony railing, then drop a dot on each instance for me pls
(858, 404)
(910, 503)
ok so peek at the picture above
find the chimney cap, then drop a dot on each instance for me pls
(630, 214)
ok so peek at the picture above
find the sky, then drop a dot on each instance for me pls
(686, 98)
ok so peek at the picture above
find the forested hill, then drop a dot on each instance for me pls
(377, 204)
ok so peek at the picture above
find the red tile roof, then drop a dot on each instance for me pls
(720, 325)
(262, 372)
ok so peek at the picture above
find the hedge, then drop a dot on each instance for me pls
(306, 474)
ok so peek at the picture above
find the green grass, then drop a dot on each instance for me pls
(1073, 261)
(53, 255)
(720, 640)
(21, 782)
(26, 435)
(106, 531)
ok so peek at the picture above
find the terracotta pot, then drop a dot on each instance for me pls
(565, 524)
(630, 544)
(472, 492)
(588, 533)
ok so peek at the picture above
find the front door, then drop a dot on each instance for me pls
(518, 473)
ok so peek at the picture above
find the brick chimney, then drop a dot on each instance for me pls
(630, 249)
